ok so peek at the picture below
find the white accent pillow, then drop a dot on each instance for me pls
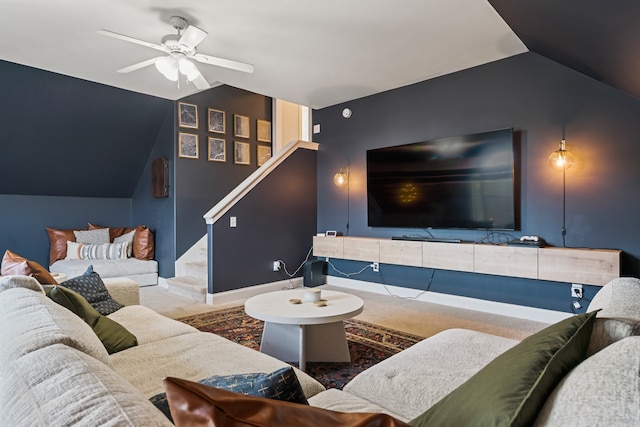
(92, 237)
(116, 251)
(127, 238)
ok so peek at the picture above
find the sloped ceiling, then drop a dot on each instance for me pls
(598, 38)
(326, 52)
(314, 53)
(68, 137)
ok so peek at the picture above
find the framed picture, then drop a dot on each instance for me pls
(216, 121)
(240, 126)
(241, 153)
(263, 131)
(263, 154)
(217, 152)
(187, 115)
(188, 146)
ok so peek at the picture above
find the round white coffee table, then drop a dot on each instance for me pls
(304, 332)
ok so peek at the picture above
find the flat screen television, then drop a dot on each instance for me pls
(464, 182)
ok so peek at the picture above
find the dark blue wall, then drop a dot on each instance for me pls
(63, 136)
(24, 219)
(536, 97)
(158, 213)
(74, 152)
(200, 184)
(275, 221)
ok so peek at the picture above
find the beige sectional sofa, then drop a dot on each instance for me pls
(603, 390)
(54, 371)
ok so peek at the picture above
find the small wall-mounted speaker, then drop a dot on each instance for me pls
(160, 177)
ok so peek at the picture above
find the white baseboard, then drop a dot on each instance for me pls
(162, 282)
(504, 309)
(244, 293)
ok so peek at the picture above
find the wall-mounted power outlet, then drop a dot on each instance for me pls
(375, 266)
(576, 291)
(276, 266)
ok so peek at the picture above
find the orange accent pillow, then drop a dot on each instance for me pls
(143, 242)
(58, 243)
(14, 264)
(195, 404)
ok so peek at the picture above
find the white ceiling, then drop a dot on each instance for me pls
(311, 52)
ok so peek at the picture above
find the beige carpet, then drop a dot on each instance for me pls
(410, 316)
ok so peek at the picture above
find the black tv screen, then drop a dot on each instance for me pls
(464, 182)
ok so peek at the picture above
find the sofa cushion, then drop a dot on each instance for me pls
(143, 242)
(443, 361)
(113, 231)
(149, 326)
(117, 251)
(92, 288)
(190, 356)
(14, 264)
(106, 267)
(10, 282)
(339, 400)
(123, 290)
(197, 404)
(61, 386)
(618, 298)
(126, 238)
(33, 321)
(113, 335)
(512, 389)
(282, 385)
(604, 390)
(58, 243)
(92, 237)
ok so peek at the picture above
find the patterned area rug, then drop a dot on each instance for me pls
(368, 343)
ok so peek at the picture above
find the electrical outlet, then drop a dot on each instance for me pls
(376, 267)
(276, 265)
(576, 290)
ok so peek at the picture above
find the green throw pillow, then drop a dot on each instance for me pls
(113, 335)
(511, 389)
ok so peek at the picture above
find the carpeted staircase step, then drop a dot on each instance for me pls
(189, 287)
(196, 269)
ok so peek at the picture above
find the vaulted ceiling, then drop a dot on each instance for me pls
(325, 52)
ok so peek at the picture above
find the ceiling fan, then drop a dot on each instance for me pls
(181, 50)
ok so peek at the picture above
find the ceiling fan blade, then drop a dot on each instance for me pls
(139, 65)
(192, 37)
(221, 62)
(132, 40)
(200, 82)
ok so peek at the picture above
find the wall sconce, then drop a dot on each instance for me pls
(561, 160)
(341, 178)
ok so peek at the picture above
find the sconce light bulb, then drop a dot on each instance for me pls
(341, 178)
(561, 159)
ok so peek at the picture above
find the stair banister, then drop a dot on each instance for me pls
(254, 179)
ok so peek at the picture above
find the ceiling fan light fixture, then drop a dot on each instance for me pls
(168, 67)
(188, 69)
